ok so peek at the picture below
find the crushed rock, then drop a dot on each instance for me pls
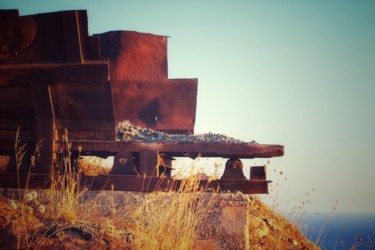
(127, 132)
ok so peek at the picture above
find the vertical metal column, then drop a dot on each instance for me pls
(148, 162)
(45, 124)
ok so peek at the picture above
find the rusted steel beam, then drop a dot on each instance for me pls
(31, 180)
(93, 71)
(134, 183)
(16, 110)
(150, 184)
(244, 186)
(227, 150)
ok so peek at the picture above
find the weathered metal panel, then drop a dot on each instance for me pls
(16, 102)
(48, 37)
(135, 56)
(85, 109)
(167, 106)
(17, 33)
(141, 90)
(16, 111)
(81, 101)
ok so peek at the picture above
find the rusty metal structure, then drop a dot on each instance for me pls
(55, 76)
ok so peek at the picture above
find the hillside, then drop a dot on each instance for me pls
(125, 220)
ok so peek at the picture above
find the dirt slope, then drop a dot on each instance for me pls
(234, 221)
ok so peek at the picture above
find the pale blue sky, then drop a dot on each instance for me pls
(296, 73)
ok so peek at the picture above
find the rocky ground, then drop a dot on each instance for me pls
(106, 221)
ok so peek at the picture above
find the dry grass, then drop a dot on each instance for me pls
(65, 184)
(171, 219)
(168, 219)
(94, 166)
(178, 213)
(63, 194)
(24, 196)
(297, 213)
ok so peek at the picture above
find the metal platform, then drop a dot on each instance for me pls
(55, 77)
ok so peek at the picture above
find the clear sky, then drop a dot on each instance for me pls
(296, 73)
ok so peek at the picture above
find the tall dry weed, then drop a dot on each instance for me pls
(65, 183)
(23, 193)
(168, 219)
(171, 220)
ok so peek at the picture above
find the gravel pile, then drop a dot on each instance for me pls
(128, 132)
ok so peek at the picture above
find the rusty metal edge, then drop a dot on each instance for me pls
(132, 183)
(240, 150)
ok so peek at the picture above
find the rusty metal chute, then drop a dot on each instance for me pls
(54, 76)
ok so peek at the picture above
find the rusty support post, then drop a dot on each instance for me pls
(41, 98)
(148, 162)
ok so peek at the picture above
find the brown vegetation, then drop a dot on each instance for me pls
(161, 220)
(183, 217)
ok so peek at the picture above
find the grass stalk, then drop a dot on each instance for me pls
(179, 212)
